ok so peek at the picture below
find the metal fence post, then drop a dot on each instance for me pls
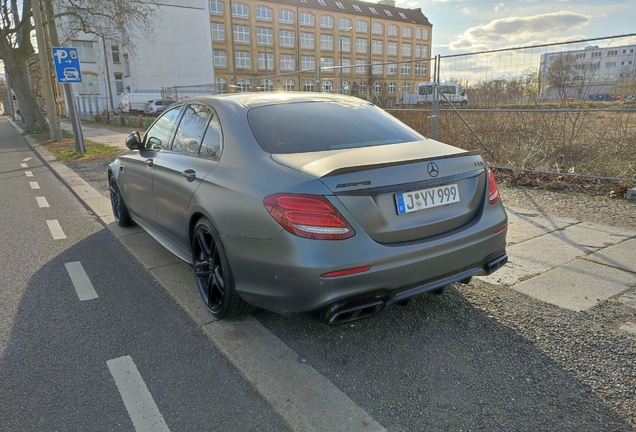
(435, 100)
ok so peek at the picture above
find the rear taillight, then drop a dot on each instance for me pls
(493, 190)
(308, 216)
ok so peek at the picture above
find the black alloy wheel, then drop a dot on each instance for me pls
(212, 273)
(120, 211)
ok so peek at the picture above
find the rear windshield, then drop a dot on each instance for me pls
(319, 126)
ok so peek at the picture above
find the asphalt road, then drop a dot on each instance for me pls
(125, 358)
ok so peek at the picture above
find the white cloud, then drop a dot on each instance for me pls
(468, 10)
(513, 29)
(498, 6)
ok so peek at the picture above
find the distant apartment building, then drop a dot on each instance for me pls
(591, 71)
(180, 54)
(371, 50)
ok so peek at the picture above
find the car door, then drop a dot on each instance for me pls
(138, 167)
(180, 171)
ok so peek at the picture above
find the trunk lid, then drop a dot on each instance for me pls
(400, 192)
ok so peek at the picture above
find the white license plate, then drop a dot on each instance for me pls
(409, 202)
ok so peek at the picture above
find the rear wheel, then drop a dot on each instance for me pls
(120, 211)
(212, 273)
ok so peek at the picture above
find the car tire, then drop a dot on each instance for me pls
(120, 211)
(212, 273)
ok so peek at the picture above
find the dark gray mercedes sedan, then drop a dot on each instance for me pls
(308, 204)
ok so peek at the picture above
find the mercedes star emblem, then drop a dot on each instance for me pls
(433, 169)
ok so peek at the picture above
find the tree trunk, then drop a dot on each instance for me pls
(15, 66)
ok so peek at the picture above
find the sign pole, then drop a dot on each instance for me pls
(67, 70)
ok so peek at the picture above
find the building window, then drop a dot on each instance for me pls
(610, 64)
(362, 26)
(391, 69)
(420, 69)
(220, 61)
(308, 86)
(373, 11)
(243, 59)
(244, 85)
(406, 69)
(326, 21)
(377, 87)
(241, 34)
(580, 56)
(424, 34)
(286, 38)
(265, 61)
(403, 16)
(424, 51)
(361, 68)
(263, 13)
(388, 13)
(240, 10)
(126, 65)
(285, 16)
(392, 30)
(288, 85)
(345, 44)
(327, 86)
(307, 62)
(418, 51)
(267, 84)
(406, 50)
(287, 62)
(89, 84)
(344, 24)
(326, 42)
(114, 49)
(119, 83)
(407, 32)
(264, 36)
(390, 103)
(307, 41)
(307, 19)
(362, 88)
(361, 45)
(322, 3)
(216, 7)
(612, 53)
(390, 88)
(340, 5)
(357, 8)
(218, 32)
(418, 33)
(345, 87)
(85, 51)
(596, 54)
(378, 28)
(377, 67)
(406, 88)
(391, 48)
(326, 64)
(344, 63)
(221, 85)
(376, 46)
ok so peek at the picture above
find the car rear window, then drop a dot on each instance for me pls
(320, 126)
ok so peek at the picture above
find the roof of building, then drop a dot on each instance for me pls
(362, 8)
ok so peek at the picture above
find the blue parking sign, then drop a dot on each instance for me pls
(67, 65)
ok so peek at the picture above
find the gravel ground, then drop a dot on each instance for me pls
(479, 357)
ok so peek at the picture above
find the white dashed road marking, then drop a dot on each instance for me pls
(26, 159)
(56, 229)
(23, 165)
(42, 202)
(139, 403)
(81, 282)
(28, 173)
(34, 185)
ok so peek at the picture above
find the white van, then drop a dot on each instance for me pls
(452, 91)
(134, 103)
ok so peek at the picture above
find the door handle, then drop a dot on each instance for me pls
(189, 174)
(149, 162)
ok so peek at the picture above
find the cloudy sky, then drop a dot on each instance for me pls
(461, 26)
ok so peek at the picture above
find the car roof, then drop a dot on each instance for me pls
(255, 100)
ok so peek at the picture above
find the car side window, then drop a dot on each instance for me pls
(191, 128)
(211, 146)
(158, 136)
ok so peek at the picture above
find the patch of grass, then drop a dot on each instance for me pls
(65, 150)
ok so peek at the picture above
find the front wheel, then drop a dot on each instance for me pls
(120, 211)
(213, 275)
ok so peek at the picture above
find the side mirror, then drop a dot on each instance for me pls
(133, 141)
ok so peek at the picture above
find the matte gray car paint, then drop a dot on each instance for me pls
(279, 271)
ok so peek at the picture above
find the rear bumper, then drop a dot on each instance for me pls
(283, 274)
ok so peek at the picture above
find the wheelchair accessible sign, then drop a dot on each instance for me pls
(67, 65)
